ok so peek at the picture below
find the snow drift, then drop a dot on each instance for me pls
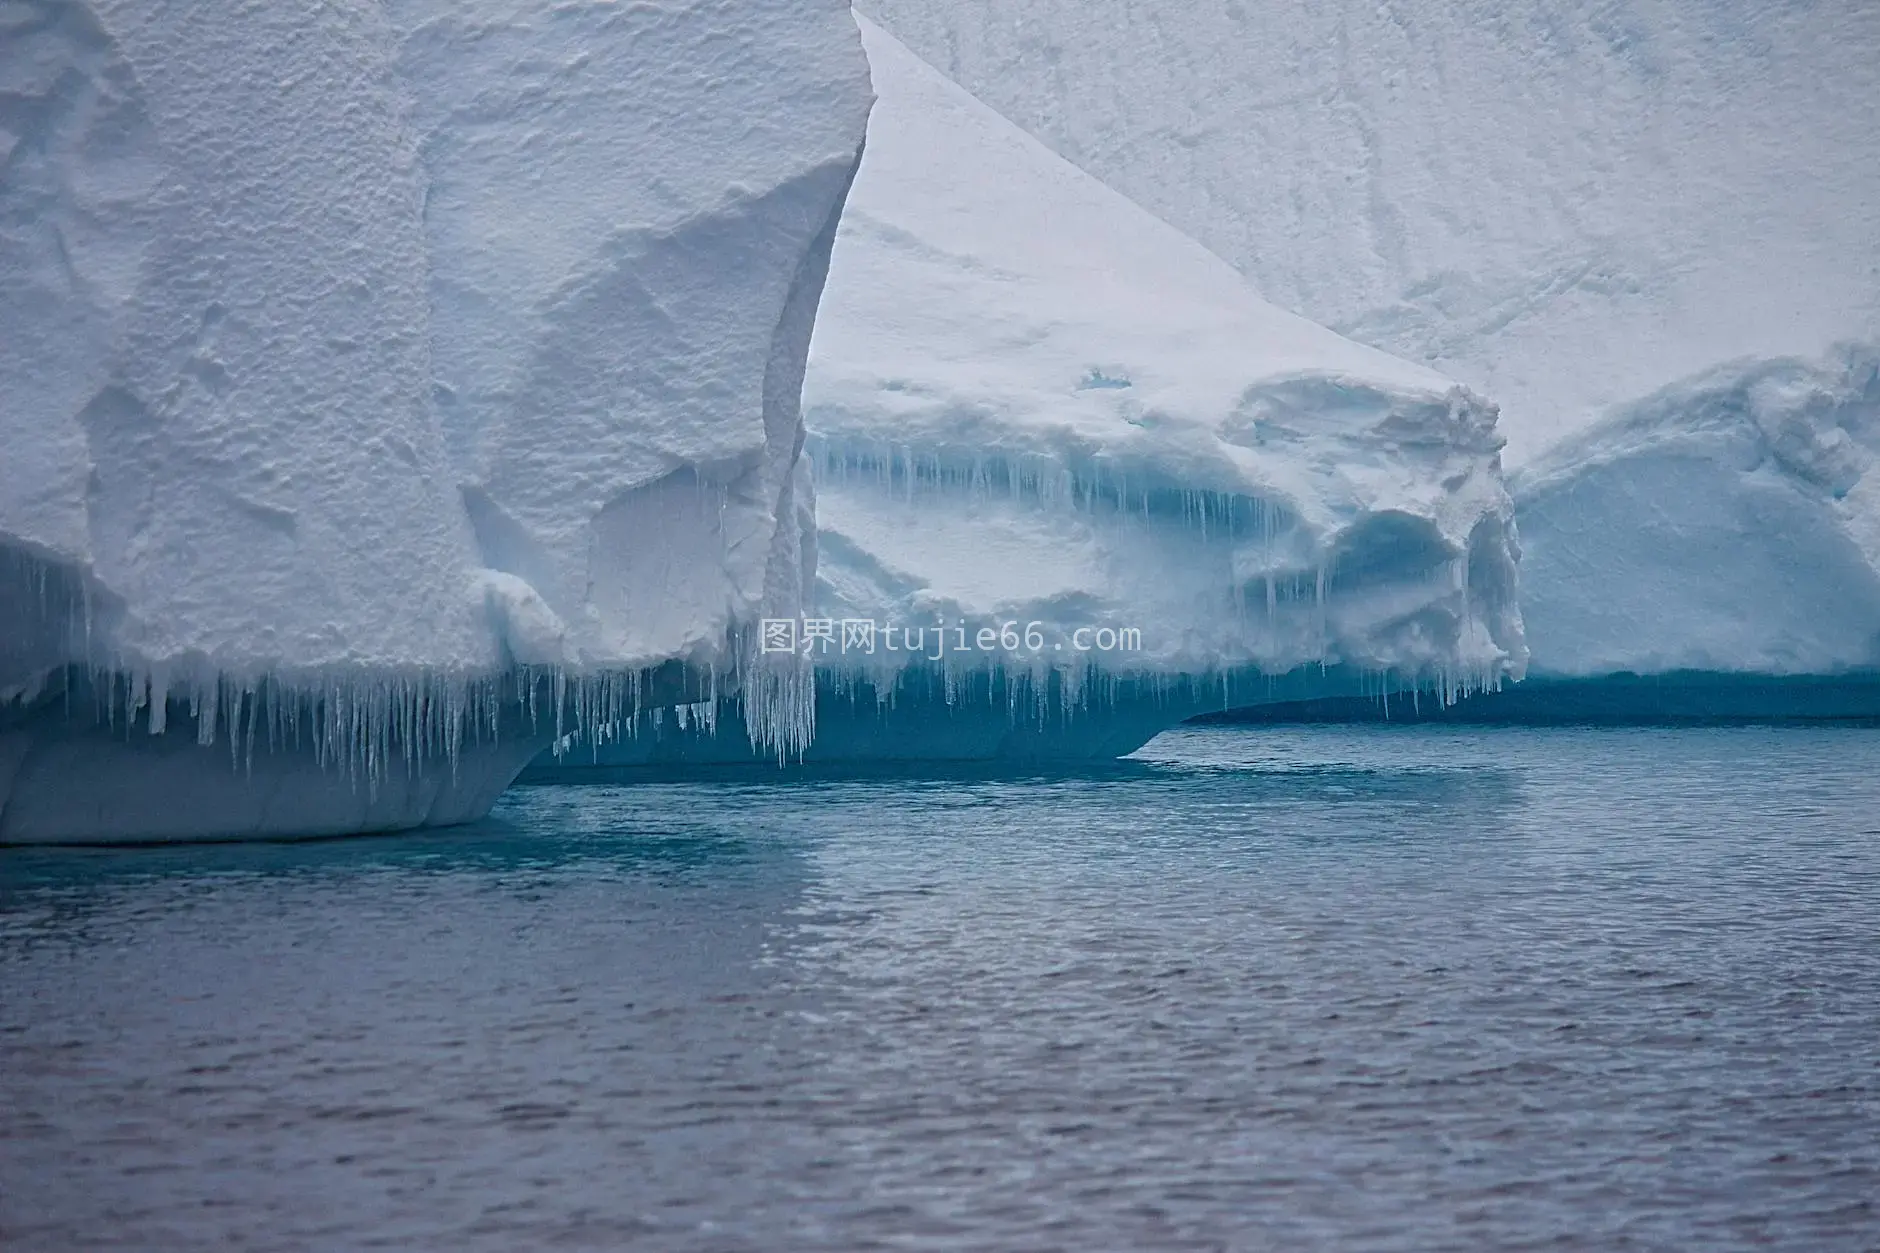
(1034, 408)
(354, 357)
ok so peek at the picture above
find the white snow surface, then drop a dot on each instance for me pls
(1030, 400)
(359, 341)
(1565, 204)
(1729, 523)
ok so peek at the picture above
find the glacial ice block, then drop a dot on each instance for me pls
(1710, 553)
(1033, 403)
(1031, 400)
(629, 213)
(1728, 524)
(400, 377)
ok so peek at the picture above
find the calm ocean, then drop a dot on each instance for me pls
(1353, 989)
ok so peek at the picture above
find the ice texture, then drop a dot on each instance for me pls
(1031, 402)
(629, 212)
(1643, 229)
(1565, 204)
(1711, 553)
(1029, 399)
(1729, 523)
(355, 357)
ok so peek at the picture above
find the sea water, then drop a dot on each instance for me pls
(1354, 989)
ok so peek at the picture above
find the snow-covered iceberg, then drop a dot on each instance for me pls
(1043, 421)
(1593, 213)
(355, 359)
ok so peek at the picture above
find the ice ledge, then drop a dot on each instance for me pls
(102, 757)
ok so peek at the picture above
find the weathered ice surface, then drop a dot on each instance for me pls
(1711, 553)
(1033, 404)
(1729, 523)
(353, 355)
(1644, 230)
(1567, 206)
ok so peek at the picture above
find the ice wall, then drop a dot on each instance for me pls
(1030, 399)
(1709, 554)
(216, 427)
(1729, 523)
(1567, 206)
(629, 215)
(1033, 404)
(353, 355)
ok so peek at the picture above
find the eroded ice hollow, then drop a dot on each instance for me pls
(1710, 553)
(387, 389)
(1033, 403)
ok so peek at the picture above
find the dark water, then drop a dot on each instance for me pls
(1331, 989)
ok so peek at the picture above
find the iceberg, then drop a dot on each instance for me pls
(1041, 421)
(1709, 553)
(1646, 231)
(1729, 523)
(384, 387)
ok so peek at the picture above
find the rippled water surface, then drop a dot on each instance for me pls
(1327, 989)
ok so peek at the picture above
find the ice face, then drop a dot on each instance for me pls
(354, 356)
(214, 370)
(1036, 410)
(1031, 400)
(629, 215)
(1709, 553)
(1729, 523)
(1565, 205)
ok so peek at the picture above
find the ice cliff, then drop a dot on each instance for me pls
(356, 359)
(1643, 229)
(1711, 553)
(1034, 404)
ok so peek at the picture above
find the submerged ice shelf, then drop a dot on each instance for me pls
(1031, 403)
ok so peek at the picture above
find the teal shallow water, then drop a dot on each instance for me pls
(1339, 988)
